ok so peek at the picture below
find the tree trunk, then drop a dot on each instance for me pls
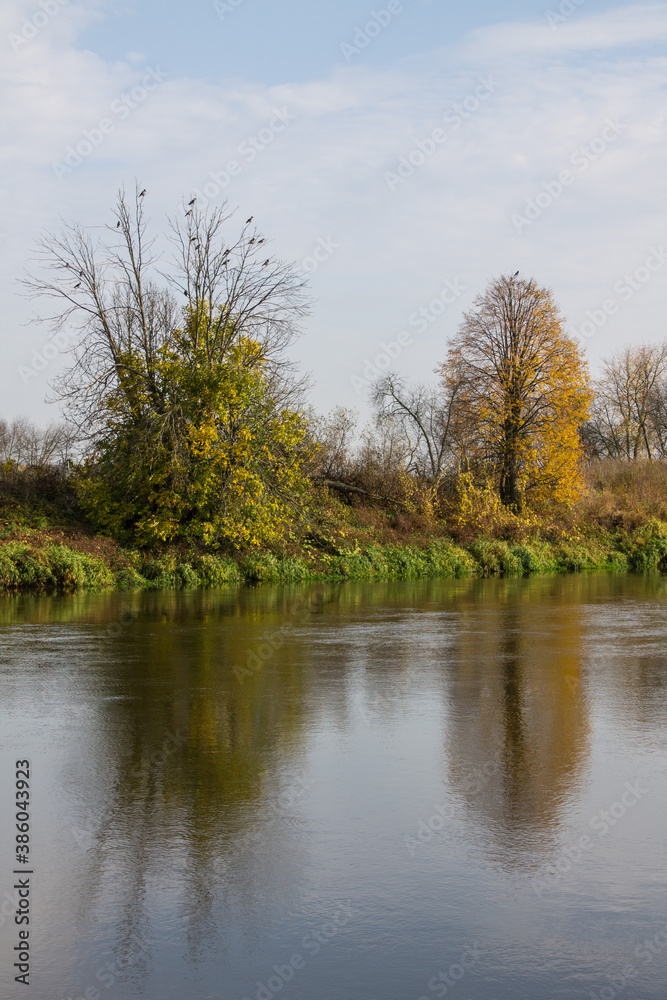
(509, 485)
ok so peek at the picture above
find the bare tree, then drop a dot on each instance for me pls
(27, 446)
(108, 287)
(333, 436)
(629, 418)
(384, 451)
(425, 418)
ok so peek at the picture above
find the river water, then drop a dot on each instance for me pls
(342, 792)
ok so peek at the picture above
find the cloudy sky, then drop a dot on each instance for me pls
(402, 153)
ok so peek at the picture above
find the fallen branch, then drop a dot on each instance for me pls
(333, 484)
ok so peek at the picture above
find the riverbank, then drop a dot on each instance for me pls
(43, 562)
(619, 526)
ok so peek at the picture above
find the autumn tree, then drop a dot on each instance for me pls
(179, 383)
(629, 415)
(522, 393)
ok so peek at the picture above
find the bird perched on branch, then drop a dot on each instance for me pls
(248, 221)
(118, 224)
(193, 201)
(78, 285)
(142, 193)
(516, 274)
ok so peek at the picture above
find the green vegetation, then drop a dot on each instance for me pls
(620, 526)
(194, 463)
(49, 568)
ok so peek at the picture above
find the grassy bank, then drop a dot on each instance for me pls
(619, 526)
(42, 566)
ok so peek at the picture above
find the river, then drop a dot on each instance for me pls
(340, 792)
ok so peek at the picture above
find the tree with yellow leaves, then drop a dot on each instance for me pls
(522, 393)
(180, 388)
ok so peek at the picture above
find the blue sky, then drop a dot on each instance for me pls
(277, 41)
(457, 142)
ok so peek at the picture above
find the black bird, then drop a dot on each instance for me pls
(516, 274)
(142, 193)
(186, 295)
(261, 241)
(188, 213)
(118, 224)
(66, 265)
(252, 240)
(248, 221)
(266, 262)
(78, 285)
(81, 274)
(193, 201)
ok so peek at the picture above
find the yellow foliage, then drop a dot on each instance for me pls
(521, 392)
(222, 466)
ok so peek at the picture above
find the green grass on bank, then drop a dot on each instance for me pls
(619, 525)
(39, 566)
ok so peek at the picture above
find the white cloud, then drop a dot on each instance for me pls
(579, 32)
(324, 175)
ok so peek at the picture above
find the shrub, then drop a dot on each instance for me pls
(647, 548)
(52, 568)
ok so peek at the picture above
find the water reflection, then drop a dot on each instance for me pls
(519, 733)
(238, 756)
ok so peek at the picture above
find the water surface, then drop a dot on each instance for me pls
(342, 792)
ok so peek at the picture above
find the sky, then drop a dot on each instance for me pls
(402, 154)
